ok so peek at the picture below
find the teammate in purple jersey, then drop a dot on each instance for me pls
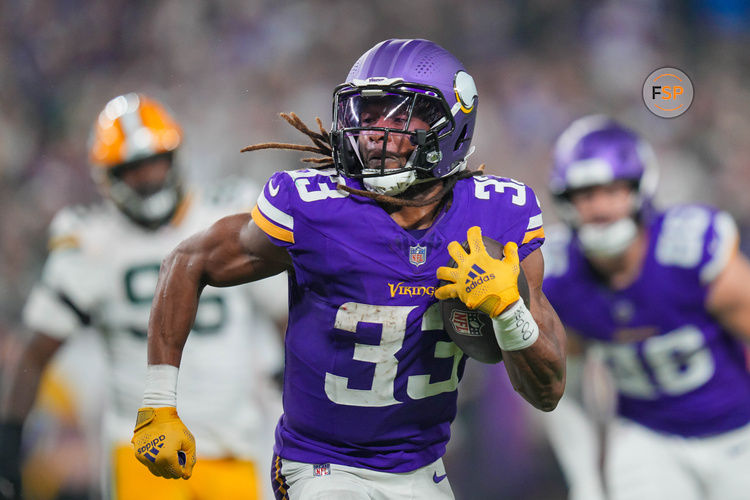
(371, 375)
(665, 298)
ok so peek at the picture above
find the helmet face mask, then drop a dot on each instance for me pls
(405, 115)
(150, 203)
(607, 240)
(132, 133)
(389, 130)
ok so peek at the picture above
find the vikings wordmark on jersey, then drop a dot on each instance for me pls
(371, 374)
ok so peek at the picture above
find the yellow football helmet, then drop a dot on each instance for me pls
(130, 132)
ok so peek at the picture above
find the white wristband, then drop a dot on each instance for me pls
(515, 329)
(161, 386)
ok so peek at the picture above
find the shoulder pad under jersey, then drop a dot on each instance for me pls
(288, 195)
(555, 250)
(696, 237)
(517, 201)
(69, 223)
(232, 195)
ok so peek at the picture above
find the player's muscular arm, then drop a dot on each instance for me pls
(538, 371)
(22, 380)
(729, 296)
(20, 387)
(232, 251)
(532, 340)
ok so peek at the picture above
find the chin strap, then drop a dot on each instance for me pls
(607, 240)
(391, 184)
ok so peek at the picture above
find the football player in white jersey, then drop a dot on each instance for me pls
(101, 273)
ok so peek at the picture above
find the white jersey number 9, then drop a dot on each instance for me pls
(140, 284)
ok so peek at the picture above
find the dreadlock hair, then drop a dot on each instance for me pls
(322, 147)
(321, 142)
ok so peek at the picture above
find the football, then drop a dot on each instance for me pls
(472, 330)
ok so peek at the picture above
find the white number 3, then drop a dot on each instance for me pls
(482, 185)
(393, 320)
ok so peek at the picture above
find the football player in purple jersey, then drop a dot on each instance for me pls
(371, 375)
(664, 297)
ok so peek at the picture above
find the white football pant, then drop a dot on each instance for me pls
(303, 481)
(645, 465)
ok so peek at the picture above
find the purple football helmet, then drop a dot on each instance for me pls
(596, 150)
(593, 151)
(401, 80)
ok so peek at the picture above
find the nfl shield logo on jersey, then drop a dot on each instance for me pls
(321, 470)
(417, 255)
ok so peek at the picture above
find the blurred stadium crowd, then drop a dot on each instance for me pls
(227, 67)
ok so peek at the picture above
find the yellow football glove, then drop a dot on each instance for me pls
(480, 281)
(163, 443)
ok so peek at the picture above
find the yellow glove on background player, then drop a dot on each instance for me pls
(163, 443)
(480, 281)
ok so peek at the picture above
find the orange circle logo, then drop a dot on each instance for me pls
(668, 92)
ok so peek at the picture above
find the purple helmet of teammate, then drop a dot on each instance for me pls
(404, 80)
(593, 151)
(596, 150)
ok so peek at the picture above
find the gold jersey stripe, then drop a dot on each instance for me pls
(63, 242)
(182, 210)
(530, 235)
(270, 228)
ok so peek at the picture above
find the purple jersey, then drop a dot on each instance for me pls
(371, 375)
(677, 370)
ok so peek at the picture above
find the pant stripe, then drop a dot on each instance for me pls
(278, 481)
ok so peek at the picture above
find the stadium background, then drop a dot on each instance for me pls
(226, 68)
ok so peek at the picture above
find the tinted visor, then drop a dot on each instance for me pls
(392, 110)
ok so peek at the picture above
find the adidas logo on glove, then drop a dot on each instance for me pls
(476, 277)
(150, 450)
